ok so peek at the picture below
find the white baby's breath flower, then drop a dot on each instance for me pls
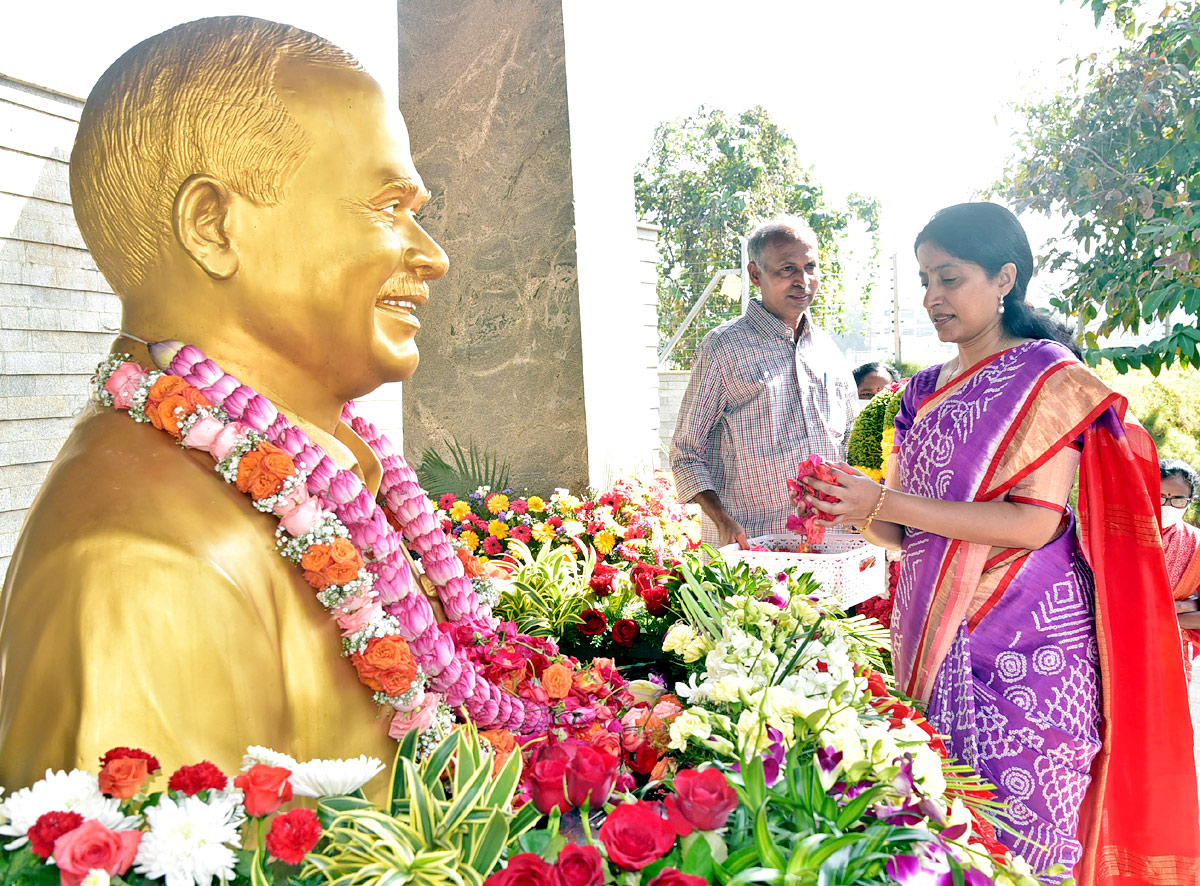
(74, 791)
(191, 841)
(333, 778)
(256, 754)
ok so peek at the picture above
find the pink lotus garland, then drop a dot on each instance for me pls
(381, 599)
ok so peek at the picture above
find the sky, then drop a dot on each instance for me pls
(905, 101)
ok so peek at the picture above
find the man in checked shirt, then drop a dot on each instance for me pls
(767, 390)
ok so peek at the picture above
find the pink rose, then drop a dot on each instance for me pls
(232, 435)
(202, 434)
(303, 518)
(91, 846)
(123, 384)
(353, 621)
(419, 718)
(294, 499)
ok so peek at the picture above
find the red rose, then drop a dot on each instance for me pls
(546, 781)
(524, 869)
(590, 775)
(133, 753)
(625, 631)
(90, 846)
(656, 600)
(604, 579)
(594, 623)
(645, 576)
(635, 835)
(48, 828)
(577, 866)
(676, 819)
(675, 877)
(191, 780)
(706, 798)
(266, 789)
(293, 835)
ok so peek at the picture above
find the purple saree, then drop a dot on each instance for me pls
(1001, 644)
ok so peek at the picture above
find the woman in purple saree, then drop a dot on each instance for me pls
(1041, 656)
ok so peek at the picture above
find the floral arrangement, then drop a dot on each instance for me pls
(805, 523)
(632, 521)
(874, 431)
(447, 822)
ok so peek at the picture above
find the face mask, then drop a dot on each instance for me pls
(858, 406)
(1172, 516)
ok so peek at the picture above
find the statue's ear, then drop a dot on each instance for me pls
(200, 218)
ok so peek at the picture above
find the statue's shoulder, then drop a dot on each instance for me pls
(125, 492)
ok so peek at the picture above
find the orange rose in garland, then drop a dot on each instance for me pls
(386, 665)
(263, 470)
(170, 401)
(330, 564)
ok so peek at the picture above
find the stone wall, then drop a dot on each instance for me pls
(483, 88)
(57, 313)
(671, 385)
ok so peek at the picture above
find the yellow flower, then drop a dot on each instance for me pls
(459, 510)
(535, 503)
(497, 504)
(470, 539)
(498, 528)
(604, 542)
(543, 532)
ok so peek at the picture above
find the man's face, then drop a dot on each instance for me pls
(788, 278)
(330, 276)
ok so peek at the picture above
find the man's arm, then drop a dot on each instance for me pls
(692, 445)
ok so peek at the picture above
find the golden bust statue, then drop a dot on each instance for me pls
(245, 188)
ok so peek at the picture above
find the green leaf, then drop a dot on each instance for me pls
(767, 850)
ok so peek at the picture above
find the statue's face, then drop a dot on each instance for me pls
(334, 271)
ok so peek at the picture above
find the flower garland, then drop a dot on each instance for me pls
(349, 549)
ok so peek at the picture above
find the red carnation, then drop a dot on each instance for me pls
(625, 631)
(293, 835)
(594, 623)
(133, 754)
(191, 780)
(48, 828)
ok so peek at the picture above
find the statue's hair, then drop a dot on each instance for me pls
(786, 228)
(196, 99)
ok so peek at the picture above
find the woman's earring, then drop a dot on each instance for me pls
(1001, 308)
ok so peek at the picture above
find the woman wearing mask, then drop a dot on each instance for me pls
(1181, 544)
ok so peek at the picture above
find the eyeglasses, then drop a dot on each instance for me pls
(1176, 501)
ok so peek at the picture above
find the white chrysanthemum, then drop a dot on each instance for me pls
(97, 877)
(74, 791)
(333, 778)
(256, 754)
(191, 841)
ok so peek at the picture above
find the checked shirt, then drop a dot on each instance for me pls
(756, 405)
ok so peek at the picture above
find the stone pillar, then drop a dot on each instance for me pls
(483, 88)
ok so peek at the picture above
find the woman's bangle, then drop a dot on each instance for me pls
(875, 512)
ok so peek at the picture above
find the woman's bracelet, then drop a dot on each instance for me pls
(875, 512)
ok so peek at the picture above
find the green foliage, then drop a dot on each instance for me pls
(450, 821)
(708, 179)
(472, 468)
(1167, 405)
(548, 591)
(1117, 155)
(863, 449)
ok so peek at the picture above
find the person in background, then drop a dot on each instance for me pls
(1050, 661)
(1181, 544)
(767, 390)
(871, 378)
